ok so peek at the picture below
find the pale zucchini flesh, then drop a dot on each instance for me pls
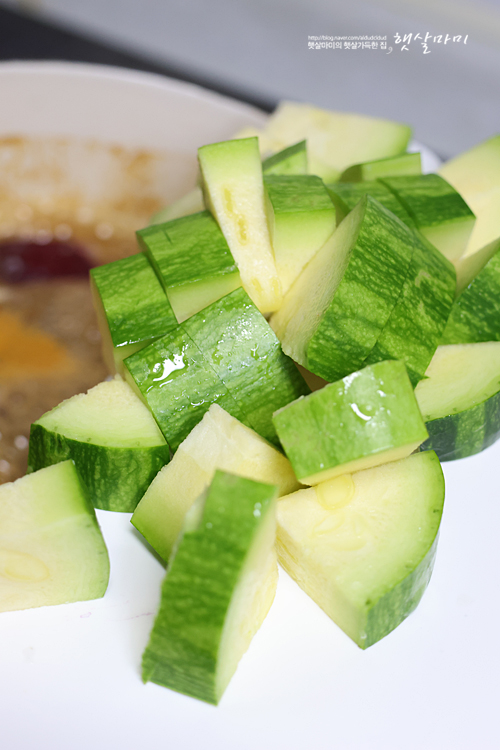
(51, 547)
(460, 399)
(476, 176)
(109, 414)
(335, 140)
(391, 166)
(219, 441)
(234, 192)
(363, 545)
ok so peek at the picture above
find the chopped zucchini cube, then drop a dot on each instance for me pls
(290, 160)
(346, 196)
(192, 260)
(335, 140)
(112, 438)
(419, 317)
(242, 349)
(368, 418)
(475, 315)
(470, 266)
(178, 385)
(219, 441)
(460, 399)
(51, 546)
(439, 212)
(301, 218)
(476, 176)
(333, 315)
(217, 591)
(132, 308)
(391, 166)
(363, 545)
(234, 192)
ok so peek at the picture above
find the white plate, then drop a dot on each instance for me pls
(70, 675)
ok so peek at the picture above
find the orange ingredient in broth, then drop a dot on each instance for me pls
(26, 350)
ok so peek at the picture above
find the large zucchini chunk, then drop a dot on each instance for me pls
(346, 196)
(192, 260)
(225, 354)
(301, 218)
(234, 192)
(419, 317)
(476, 176)
(368, 418)
(178, 385)
(217, 591)
(471, 266)
(363, 545)
(112, 438)
(391, 166)
(242, 349)
(51, 547)
(439, 212)
(290, 160)
(333, 315)
(335, 140)
(460, 399)
(219, 441)
(475, 315)
(132, 308)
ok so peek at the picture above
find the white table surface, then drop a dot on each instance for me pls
(70, 675)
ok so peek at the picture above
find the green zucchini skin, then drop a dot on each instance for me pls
(188, 250)
(369, 412)
(174, 379)
(183, 650)
(466, 433)
(409, 492)
(428, 198)
(378, 265)
(391, 609)
(346, 195)
(241, 348)
(194, 249)
(417, 322)
(391, 166)
(475, 316)
(116, 478)
(301, 218)
(291, 160)
(136, 307)
(298, 193)
(192, 260)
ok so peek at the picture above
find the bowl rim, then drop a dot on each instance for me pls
(126, 75)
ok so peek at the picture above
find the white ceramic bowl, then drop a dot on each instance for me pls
(115, 105)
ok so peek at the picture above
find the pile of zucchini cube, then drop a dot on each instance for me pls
(296, 346)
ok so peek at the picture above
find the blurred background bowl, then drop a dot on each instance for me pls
(87, 154)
